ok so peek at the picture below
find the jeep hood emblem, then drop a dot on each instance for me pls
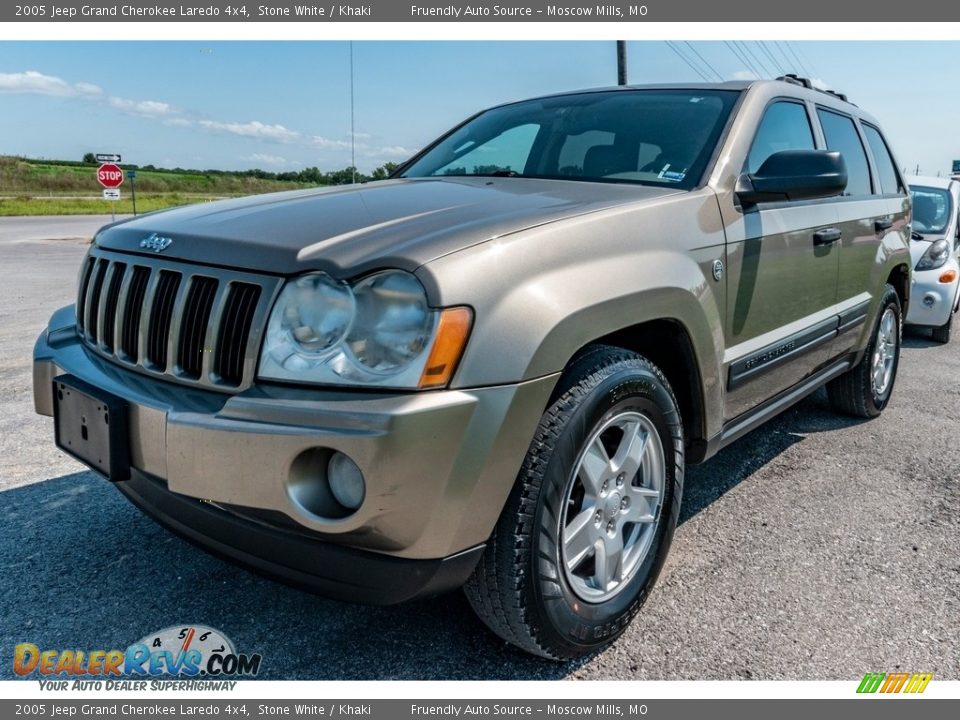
(155, 242)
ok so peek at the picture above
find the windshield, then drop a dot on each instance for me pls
(650, 137)
(931, 210)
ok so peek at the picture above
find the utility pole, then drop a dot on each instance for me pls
(353, 136)
(621, 62)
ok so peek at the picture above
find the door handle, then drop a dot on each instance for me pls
(827, 236)
(883, 225)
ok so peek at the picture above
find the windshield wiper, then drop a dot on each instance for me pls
(914, 235)
(496, 173)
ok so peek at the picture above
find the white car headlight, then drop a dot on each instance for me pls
(935, 256)
(379, 331)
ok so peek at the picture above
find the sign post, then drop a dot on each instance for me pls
(132, 174)
(111, 177)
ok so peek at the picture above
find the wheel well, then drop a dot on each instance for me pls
(667, 345)
(899, 278)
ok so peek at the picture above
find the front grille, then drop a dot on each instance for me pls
(187, 323)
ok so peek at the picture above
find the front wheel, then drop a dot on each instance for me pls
(588, 525)
(865, 389)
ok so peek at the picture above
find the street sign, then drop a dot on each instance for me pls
(111, 193)
(107, 158)
(131, 174)
(110, 175)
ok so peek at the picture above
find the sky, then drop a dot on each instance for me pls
(286, 105)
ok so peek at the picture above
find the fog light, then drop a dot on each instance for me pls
(929, 300)
(346, 481)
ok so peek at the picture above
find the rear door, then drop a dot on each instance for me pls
(781, 283)
(874, 204)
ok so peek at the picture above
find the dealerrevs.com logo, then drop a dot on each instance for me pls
(182, 651)
(899, 682)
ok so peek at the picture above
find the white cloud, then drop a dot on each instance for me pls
(395, 151)
(744, 75)
(328, 144)
(269, 159)
(254, 129)
(819, 84)
(150, 108)
(37, 83)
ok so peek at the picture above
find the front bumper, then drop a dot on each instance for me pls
(932, 302)
(228, 471)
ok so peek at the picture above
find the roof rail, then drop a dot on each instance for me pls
(794, 79)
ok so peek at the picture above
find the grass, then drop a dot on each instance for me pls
(30, 187)
(95, 205)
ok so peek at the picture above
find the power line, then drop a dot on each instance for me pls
(759, 58)
(798, 68)
(687, 61)
(804, 59)
(776, 64)
(741, 57)
(703, 60)
(760, 68)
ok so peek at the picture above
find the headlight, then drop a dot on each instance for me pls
(935, 256)
(380, 331)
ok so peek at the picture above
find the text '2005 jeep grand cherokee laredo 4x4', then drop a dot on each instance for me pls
(491, 369)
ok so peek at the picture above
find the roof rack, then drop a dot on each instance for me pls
(795, 79)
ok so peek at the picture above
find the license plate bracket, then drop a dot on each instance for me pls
(91, 425)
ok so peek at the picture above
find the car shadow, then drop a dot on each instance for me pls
(86, 570)
(917, 337)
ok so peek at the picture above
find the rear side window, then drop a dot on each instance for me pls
(886, 171)
(841, 134)
(785, 126)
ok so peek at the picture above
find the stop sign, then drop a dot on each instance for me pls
(110, 175)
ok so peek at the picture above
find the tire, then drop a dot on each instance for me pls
(858, 392)
(541, 593)
(942, 334)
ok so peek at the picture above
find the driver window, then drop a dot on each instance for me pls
(785, 126)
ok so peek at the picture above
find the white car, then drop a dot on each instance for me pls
(935, 252)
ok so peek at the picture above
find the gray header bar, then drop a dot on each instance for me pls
(324, 11)
(120, 707)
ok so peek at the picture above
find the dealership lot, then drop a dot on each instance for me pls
(817, 547)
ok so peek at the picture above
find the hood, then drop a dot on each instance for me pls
(348, 230)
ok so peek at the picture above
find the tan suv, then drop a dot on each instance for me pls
(491, 369)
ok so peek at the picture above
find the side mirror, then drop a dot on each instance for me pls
(794, 175)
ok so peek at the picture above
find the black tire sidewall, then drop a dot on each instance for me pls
(567, 620)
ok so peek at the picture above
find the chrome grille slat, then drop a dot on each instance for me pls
(82, 293)
(92, 304)
(108, 306)
(121, 314)
(213, 329)
(234, 326)
(190, 324)
(143, 338)
(193, 330)
(161, 318)
(133, 313)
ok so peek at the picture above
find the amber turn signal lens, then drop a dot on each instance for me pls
(452, 332)
(948, 276)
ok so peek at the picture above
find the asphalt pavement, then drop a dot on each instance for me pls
(817, 547)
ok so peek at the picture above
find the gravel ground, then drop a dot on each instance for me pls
(817, 547)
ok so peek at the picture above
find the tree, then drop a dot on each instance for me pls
(383, 172)
(90, 158)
